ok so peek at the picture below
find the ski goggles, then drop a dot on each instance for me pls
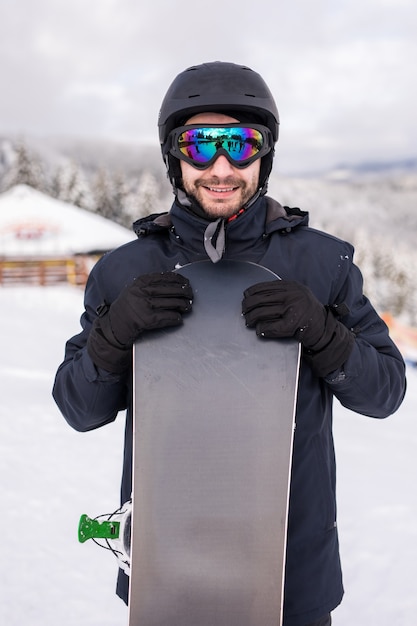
(200, 145)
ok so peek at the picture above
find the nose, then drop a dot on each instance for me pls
(221, 167)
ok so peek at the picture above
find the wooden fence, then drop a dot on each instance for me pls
(47, 271)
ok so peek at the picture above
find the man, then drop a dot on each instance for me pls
(218, 125)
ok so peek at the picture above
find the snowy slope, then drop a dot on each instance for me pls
(51, 474)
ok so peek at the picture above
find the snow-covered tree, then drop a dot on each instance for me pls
(102, 193)
(69, 184)
(148, 195)
(120, 193)
(26, 169)
(390, 280)
(110, 193)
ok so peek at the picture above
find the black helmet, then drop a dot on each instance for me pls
(221, 88)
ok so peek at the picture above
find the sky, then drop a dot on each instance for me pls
(342, 73)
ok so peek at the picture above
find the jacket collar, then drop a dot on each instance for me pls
(220, 237)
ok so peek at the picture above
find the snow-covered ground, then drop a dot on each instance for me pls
(50, 475)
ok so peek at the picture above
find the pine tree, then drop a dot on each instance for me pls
(26, 169)
(69, 184)
(119, 195)
(148, 200)
(102, 194)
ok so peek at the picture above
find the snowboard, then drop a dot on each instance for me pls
(214, 413)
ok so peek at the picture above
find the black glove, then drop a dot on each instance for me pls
(283, 308)
(152, 301)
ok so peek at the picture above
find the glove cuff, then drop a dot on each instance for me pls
(333, 348)
(104, 349)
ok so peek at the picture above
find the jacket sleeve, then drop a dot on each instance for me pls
(372, 381)
(87, 396)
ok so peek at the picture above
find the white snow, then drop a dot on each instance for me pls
(51, 475)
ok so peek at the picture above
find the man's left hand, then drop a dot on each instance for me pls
(281, 308)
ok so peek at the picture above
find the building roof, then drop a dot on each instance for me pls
(33, 224)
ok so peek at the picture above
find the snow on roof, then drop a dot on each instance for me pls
(34, 224)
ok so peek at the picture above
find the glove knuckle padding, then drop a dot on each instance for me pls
(152, 301)
(179, 288)
(286, 302)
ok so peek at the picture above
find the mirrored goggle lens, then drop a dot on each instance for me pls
(201, 144)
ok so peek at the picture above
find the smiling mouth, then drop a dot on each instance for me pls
(221, 189)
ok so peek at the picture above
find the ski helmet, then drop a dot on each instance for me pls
(217, 87)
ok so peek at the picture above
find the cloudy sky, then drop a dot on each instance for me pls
(343, 72)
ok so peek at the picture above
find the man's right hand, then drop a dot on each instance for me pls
(152, 301)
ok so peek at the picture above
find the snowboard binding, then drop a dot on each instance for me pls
(110, 531)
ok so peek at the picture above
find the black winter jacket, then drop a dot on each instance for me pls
(372, 381)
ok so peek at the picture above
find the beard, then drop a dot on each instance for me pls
(220, 203)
